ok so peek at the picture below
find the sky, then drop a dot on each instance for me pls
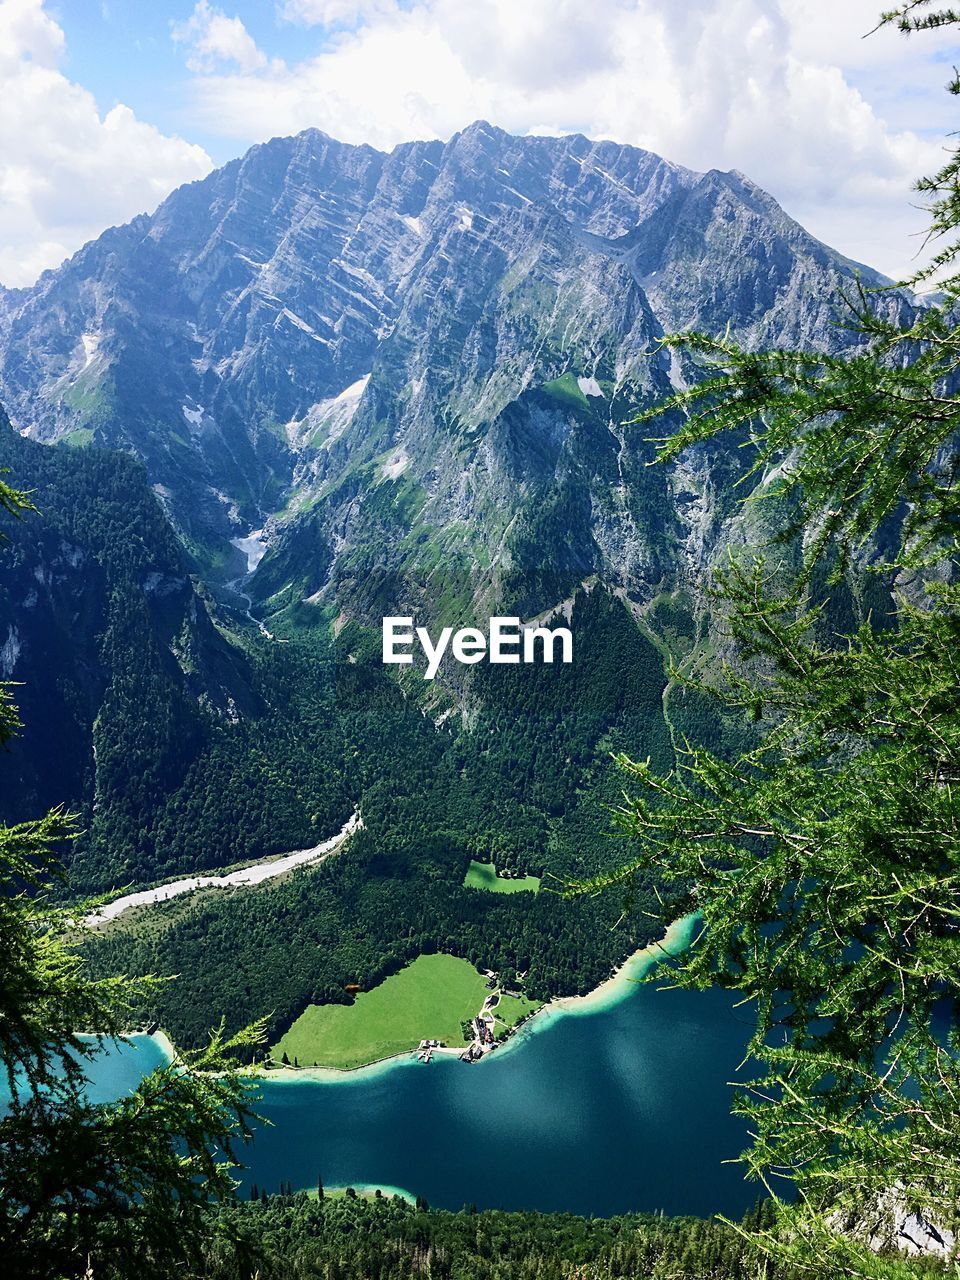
(107, 105)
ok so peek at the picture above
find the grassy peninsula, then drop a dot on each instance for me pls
(428, 1000)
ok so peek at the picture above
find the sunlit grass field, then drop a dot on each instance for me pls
(483, 875)
(511, 1009)
(427, 1000)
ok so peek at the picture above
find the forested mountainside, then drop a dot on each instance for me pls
(100, 615)
(186, 742)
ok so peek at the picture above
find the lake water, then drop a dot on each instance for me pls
(623, 1107)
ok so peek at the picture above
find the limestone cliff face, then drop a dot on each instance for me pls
(417, 368)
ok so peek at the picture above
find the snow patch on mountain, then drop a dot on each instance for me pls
(91, 344)
(253, 546)
(395, 465)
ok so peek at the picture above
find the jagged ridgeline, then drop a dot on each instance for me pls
(325, 385)
(415, 362)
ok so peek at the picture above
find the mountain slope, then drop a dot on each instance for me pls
(140, 709)
(405, 360)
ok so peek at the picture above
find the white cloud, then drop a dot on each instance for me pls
(832, 124)
(835, 126)
(333, 13)
(24, 27)
(66, 172)
(212, 38)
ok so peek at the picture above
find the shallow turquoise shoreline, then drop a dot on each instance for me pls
(370, 1188)
(624, 1111)
(610, 993)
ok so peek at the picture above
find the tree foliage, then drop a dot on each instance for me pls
(825, 858)
(350, 1237)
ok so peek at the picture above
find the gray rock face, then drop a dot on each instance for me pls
(418, 363)
(889, 1223)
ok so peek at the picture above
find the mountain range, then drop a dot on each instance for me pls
(415, 362)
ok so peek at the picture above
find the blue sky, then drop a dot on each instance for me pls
(122, 51)
(109, 104)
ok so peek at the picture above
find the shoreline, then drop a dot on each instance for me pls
(365, 1191)
(343, 1075)
(167, 1046)
(677, 937)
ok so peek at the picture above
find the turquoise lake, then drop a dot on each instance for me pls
(622, 1108)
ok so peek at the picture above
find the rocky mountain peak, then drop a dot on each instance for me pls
(393, 346)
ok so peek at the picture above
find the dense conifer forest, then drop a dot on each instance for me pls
(352, 1238)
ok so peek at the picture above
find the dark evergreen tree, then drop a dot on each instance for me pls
(825, 860)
